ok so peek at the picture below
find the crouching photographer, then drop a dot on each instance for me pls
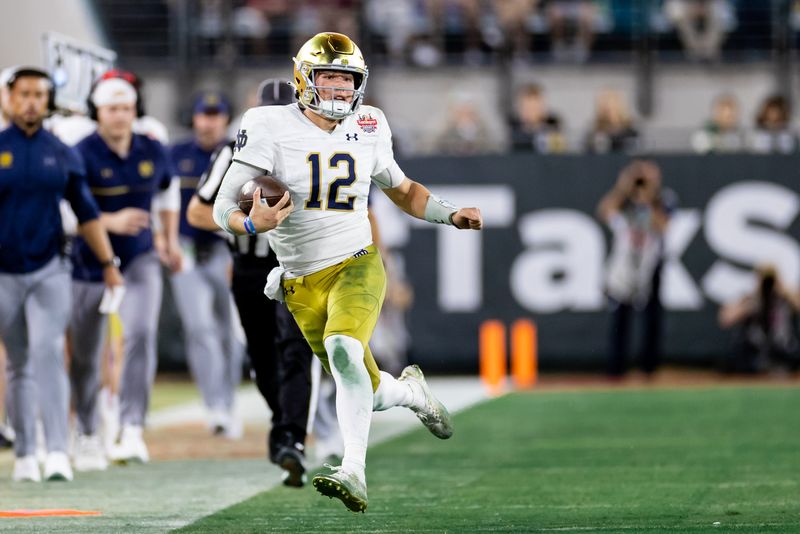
(766, 319)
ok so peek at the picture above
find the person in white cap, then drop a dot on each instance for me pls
(74, 128)
(129, 175)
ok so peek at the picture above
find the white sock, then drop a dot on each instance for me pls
(391, 393)
(354, 398)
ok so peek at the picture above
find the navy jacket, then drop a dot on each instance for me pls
(191, 161)
(118, 183)
(35, 174)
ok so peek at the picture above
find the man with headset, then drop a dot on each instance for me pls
(202, 288)
(36, 171)
(130, 176)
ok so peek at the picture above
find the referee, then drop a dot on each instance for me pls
(36, 172)
(279, 355)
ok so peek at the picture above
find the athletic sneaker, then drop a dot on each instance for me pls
(218, 421)
(291, 459)
(6, 436)
(428, 408)
(131, 446)
(225, 423)
(108, 406)
(26, 469)
(56, 467)
(89, 453)
(348, 487)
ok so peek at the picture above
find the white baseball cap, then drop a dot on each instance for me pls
(113, 91)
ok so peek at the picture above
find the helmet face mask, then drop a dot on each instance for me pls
(329, 52)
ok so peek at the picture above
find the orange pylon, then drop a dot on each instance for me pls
(493, 355)
(524, 353)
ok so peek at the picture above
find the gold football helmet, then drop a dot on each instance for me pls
(329, 51)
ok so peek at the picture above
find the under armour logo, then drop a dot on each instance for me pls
(352, 137)
(289, 289)
(241, 139)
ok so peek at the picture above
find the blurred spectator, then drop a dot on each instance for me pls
(701, 24)
(637, 215)
(534, 128)
(572, 24)
(250, 20)
(722, 132)
(512, 33)
(464, 131)
(767, 336)
(314, 16)
(613, 129)
(210, 23)
(395, 22)
(458, 18)
(773, 133)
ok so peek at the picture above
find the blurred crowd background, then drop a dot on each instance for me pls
(491, 76)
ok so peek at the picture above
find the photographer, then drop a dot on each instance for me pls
(767, 318)
(637, 215)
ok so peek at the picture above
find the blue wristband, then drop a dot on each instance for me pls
(249, 227)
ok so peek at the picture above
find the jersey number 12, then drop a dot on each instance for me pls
(314, 201)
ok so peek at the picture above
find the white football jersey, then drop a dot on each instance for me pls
(328, 176)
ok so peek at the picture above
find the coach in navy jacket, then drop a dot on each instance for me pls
(36, 172)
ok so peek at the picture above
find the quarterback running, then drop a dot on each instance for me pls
(327, 149)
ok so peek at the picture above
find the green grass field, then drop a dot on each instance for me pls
(616, 461)
(656, 460)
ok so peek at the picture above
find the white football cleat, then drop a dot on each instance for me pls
(26, 469)
(131, 446)
(89, 454)
(428, 408)
(57, 467)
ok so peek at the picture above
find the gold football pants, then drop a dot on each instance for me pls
(343, 299)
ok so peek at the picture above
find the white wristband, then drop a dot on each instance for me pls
(439, 211)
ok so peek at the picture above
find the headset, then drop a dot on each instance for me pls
(12, 74)
(126, 75)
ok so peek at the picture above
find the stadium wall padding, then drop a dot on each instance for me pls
(542, 252)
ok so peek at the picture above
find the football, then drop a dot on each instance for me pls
(272, 191)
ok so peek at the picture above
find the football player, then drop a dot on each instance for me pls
(326, 149)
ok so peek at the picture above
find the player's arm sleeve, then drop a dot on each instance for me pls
(386, 173)
(77, 191)
(169, 196)
(254, 144)
(227, 200)
(210, 182)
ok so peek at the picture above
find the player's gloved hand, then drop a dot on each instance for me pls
(267, 217)
(468, 219)
(127, 221)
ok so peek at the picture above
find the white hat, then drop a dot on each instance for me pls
(113, 91)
